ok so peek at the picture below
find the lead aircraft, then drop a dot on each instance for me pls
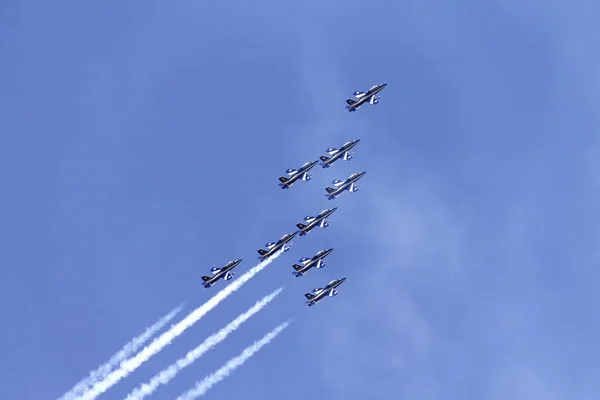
(365, 97)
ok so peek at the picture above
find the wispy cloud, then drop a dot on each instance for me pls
(207, 383)
(103, 370)
(165, 376)
(131, 364)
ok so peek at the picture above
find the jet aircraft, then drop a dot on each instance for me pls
(316, 261)
(349, 184)
(319, 293)
(342, 152)
(296, 174)
(313, 222)
(274, 247)
(223, 272)
(364, 97)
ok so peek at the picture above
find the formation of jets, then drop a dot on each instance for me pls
(284, 243)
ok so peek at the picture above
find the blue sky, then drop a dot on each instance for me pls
(141, 144)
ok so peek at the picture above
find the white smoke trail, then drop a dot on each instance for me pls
(131, 364)
(207, 383)
(169, 373)
(103, 370)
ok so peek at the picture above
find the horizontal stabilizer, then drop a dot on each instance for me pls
(330, 190)
(309, 296)
(206, 278)
(324, 158)
(262, 252)
(301, 226)
(297, 267)
(350, 102)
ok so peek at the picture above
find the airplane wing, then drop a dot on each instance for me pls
(270, 245)
(374, 100)
(306, 176)
(304, 260)
(332, 150)
(215, 270)
(337, 182)
(309, 219)
(358, 94)
(228, 275)
(353, 187)
(291, 171)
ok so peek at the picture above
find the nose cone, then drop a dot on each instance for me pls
(238, 261)
(293, 234)
(342, 280)
(333, 209)
(384, 85)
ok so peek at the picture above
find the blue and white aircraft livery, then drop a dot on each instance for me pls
(274, 247)
(313, 222)
(349, 185)
(365, 97)
(307, 263)
(319, 293)
(224, 272)
(296, 174)
(336, 154)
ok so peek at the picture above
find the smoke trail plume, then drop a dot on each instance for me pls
(131, 364)
(207, 383)
(165, 376)
(103, 370)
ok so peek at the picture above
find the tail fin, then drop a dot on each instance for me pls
(206, 278)
(350, 101)
(324, 158)
(297, 267)
(309, 296)
(301, 226)
(262, 252)
(284, 182)
(330, 190)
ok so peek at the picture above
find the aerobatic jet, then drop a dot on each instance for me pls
(306, 263)
(296, 174)
(319, 293)
(365, 97)
(313, 222)
(335, 154)
(349, 184)
(224, 272)
(274, 247)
